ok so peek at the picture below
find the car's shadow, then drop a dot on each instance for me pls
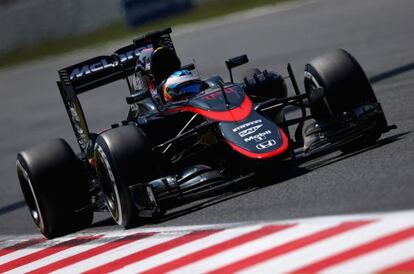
(287, 172)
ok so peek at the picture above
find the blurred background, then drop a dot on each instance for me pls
(31, 29)
(30, 22)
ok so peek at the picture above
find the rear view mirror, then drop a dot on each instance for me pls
(237, 61)
(188, 67)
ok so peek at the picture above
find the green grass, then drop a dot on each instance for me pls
(206, 10)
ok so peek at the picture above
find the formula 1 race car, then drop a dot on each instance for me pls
(185, 138)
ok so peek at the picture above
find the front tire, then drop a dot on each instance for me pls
(54, 188)
(346, 87)
(345, 84)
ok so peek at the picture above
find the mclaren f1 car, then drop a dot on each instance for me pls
(172, 149)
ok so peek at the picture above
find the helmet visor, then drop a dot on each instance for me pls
(190, 88)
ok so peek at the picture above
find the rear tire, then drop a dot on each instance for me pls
(54, 188)
(346, 87)
(123, 159)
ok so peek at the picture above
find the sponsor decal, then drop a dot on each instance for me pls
(266, 144)
(258, 137)
(251, 123)
(103, 64)
(214, 95)
(87, 69)
(250, 130)
(82, 136)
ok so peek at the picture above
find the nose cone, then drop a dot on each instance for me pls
(255, 137)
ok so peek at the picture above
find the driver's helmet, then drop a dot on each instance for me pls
(181, 85)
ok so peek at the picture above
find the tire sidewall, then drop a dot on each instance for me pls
(123, 153)
(105, 160)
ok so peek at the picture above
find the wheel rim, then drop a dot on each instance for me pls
(108, 185)
(30, 196)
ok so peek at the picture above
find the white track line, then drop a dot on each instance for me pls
(251, 248)
(65, 254)
(377, 260)
(117, 253)
(29, 250)
(328, 247)
(302, 255)
(185, 249)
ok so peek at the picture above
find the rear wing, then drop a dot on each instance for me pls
(104, 69)
(99, 71)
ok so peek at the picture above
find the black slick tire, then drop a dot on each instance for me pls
(123, 159)
(346, 87)
(54, 188)
(345, 84)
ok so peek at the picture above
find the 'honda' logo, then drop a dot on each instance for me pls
(266, 144)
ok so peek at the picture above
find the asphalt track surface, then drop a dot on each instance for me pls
(379, 33)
